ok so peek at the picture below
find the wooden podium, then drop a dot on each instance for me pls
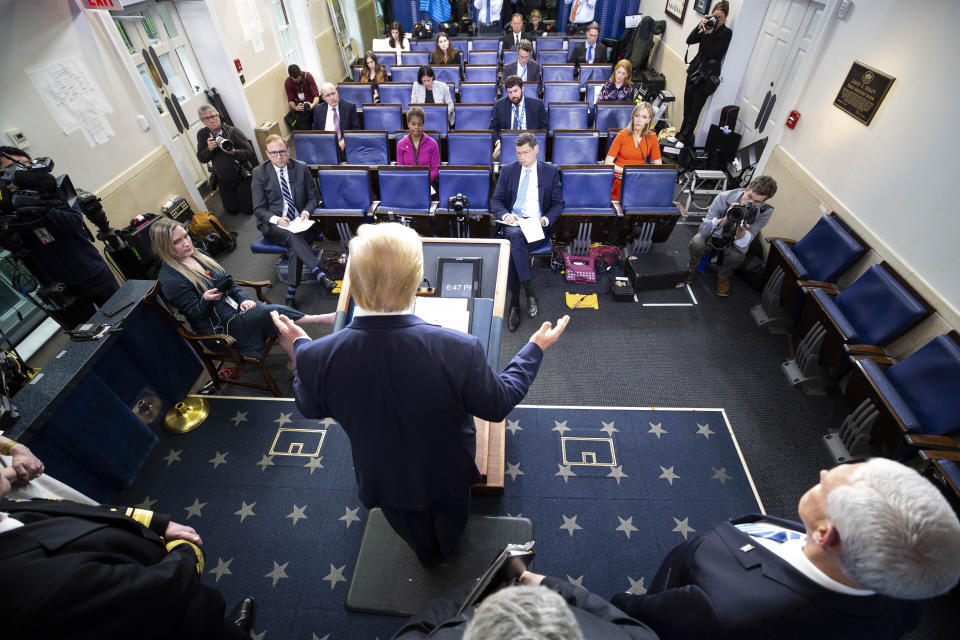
(493, 284)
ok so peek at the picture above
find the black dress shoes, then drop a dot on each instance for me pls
(513, 321)
(327, 283)
(532, 308)
(242, 614)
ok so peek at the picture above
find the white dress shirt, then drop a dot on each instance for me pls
(286, 170)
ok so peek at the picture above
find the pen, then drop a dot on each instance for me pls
(582, 298)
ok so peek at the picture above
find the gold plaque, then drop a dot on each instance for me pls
(863, 91)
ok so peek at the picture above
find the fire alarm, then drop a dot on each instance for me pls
(236, 63)
(792, 119)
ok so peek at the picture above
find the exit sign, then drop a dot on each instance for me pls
(108, 5)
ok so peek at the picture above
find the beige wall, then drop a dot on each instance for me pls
(267, 98)
(328, 49)
(143, 188)
(255, 63)
(671, 65)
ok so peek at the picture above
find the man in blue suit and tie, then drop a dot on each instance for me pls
(526, 189)
(406, 392)
(515, 111)
(875, 538)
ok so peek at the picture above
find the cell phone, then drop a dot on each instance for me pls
(224, 285)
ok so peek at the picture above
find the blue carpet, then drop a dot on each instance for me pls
(273, 494)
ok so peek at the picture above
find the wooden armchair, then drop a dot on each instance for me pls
(217, 350)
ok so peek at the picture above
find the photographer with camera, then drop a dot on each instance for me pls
(231, 154)
(302, 94)
(731, 224)
(703, 74)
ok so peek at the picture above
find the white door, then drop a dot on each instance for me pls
(783, 45)
(157, 45)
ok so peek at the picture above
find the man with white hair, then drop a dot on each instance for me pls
(876, 537)
(334, 114)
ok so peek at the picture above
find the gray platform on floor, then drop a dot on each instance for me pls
(389, 580)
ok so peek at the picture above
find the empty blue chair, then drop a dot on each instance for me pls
(484, 57)
(395, 93)
(448, 73)
(646, 200)
(405, 198)
(594, 72)
(560, 92)
(567, 115)
(460, 44)
(387, 60)
(588, 212)
(474, 92)
(415, 58)
(557, 56)
(316, 147)
(344, 201)
(531, 89)
(556, 72)
(473, 116)
(550, 43)
(359, 93)
(612, 115)
(422, 45)
(356, 73)
(435, 116)
(474, 183)
(508, 145)
(575, 147)
(480, 73)
(382, 117)
(403, 73)
(366, 147)
(470, 147)
(486, 44)
(510, 55)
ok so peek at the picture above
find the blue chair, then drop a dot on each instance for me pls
(396, 93)
(508, 145)
(567, 115)
(510, 55)
(356, 73)
(531, 90)
(344, 201)
(473, 116)
(435, 116)
(594, 72)
(474, 92)
(405, 198)
(387, 60)
(898, 405)
(823, 254)
(646, 200)
(383, 117)
(575, 147)
(555, 56)
(415, 58)
(560, 92)
(612, 115)
(550, 43)
(593, 92)
(316, 147)
(470, 147)
(556, 73)
(872, 312)
(485, 44)
(588, 212)
(404, 73)
(460, 44)
(572, 42)
(484, 57)
(359, 93)
(366, 147)
(474, 183)
(480, 73)
(448, 73)
(422, 45)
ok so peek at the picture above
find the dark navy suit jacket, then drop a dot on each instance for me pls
(502, 119)
(722, 584)
(268, 198)
(548, 181)
(349, 120)
(405, 392)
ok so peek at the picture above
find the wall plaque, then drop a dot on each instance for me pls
(863, 91)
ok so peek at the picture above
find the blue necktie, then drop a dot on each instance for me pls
(771, 531)
(519, 117)
(590, 54)
(291, 212)
(522, 193)
(488, 16)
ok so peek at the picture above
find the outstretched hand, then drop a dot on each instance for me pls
(288, 332)
(547, 335)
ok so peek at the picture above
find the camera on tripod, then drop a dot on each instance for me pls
(225, 144)
(739, 214)
(459, 205)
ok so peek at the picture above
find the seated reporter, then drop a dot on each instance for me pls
(373, 73)
(187, 280)
(89, 572)
(417, 149)
(618, 87)
(444, 52)
(636, 144)
(428, 90)
(874, 539)
(526, 188)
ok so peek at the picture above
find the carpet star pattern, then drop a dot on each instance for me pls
(240, 417)
(570, 524)
(513, 426)
(278, 573)
(683, 528)
(194, 509)
(564, 471)
(721, 475)
(626, 526)
(561, 427)
(350, 516)
(284, 418)
(245, 510)
(313, 464)
(258, 636)
(173, 456)
(636, 586)
(219, 459)
(513, 470)
(657, 429)
(704, 430)
(298, 514)
(668, 475)
(326, 637)
(327, 422)
(617, 472)
(146, 504)
(608, 428)
(577, 582)
(222, 568)
(265, 461)
(335, 576)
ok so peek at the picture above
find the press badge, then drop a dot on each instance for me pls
(230, 301)
(302, 95)
(43, 235)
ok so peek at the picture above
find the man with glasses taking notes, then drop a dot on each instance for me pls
(230, 158)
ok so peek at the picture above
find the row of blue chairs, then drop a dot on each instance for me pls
(476, 56)
(465, 45)
(452, 75)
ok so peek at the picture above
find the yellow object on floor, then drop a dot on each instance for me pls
(339, 284)
(582, 301)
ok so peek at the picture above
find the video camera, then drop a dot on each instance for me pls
(739, 214)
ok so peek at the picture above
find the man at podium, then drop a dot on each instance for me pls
(406, 392)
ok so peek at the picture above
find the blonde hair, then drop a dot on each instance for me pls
(274, 137)
(649, 108)
(626, 65)
(385, 266)
(161, 236)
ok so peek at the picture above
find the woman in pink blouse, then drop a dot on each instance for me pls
(416, 149)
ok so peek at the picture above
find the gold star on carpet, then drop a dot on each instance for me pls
(265, 461)
(146, 504)
(219, 459)
(173, 456)
(240, 417)
(577, 582)
(194, 509)
(222, 568)
(284, 418)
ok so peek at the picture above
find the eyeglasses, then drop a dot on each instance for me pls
(212, 116)
(278, 153)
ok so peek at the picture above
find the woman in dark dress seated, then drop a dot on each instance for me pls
(618, 87)
(373, 73)
(444, 52)
(188, 281)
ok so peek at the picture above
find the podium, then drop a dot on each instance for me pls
(487, 326)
